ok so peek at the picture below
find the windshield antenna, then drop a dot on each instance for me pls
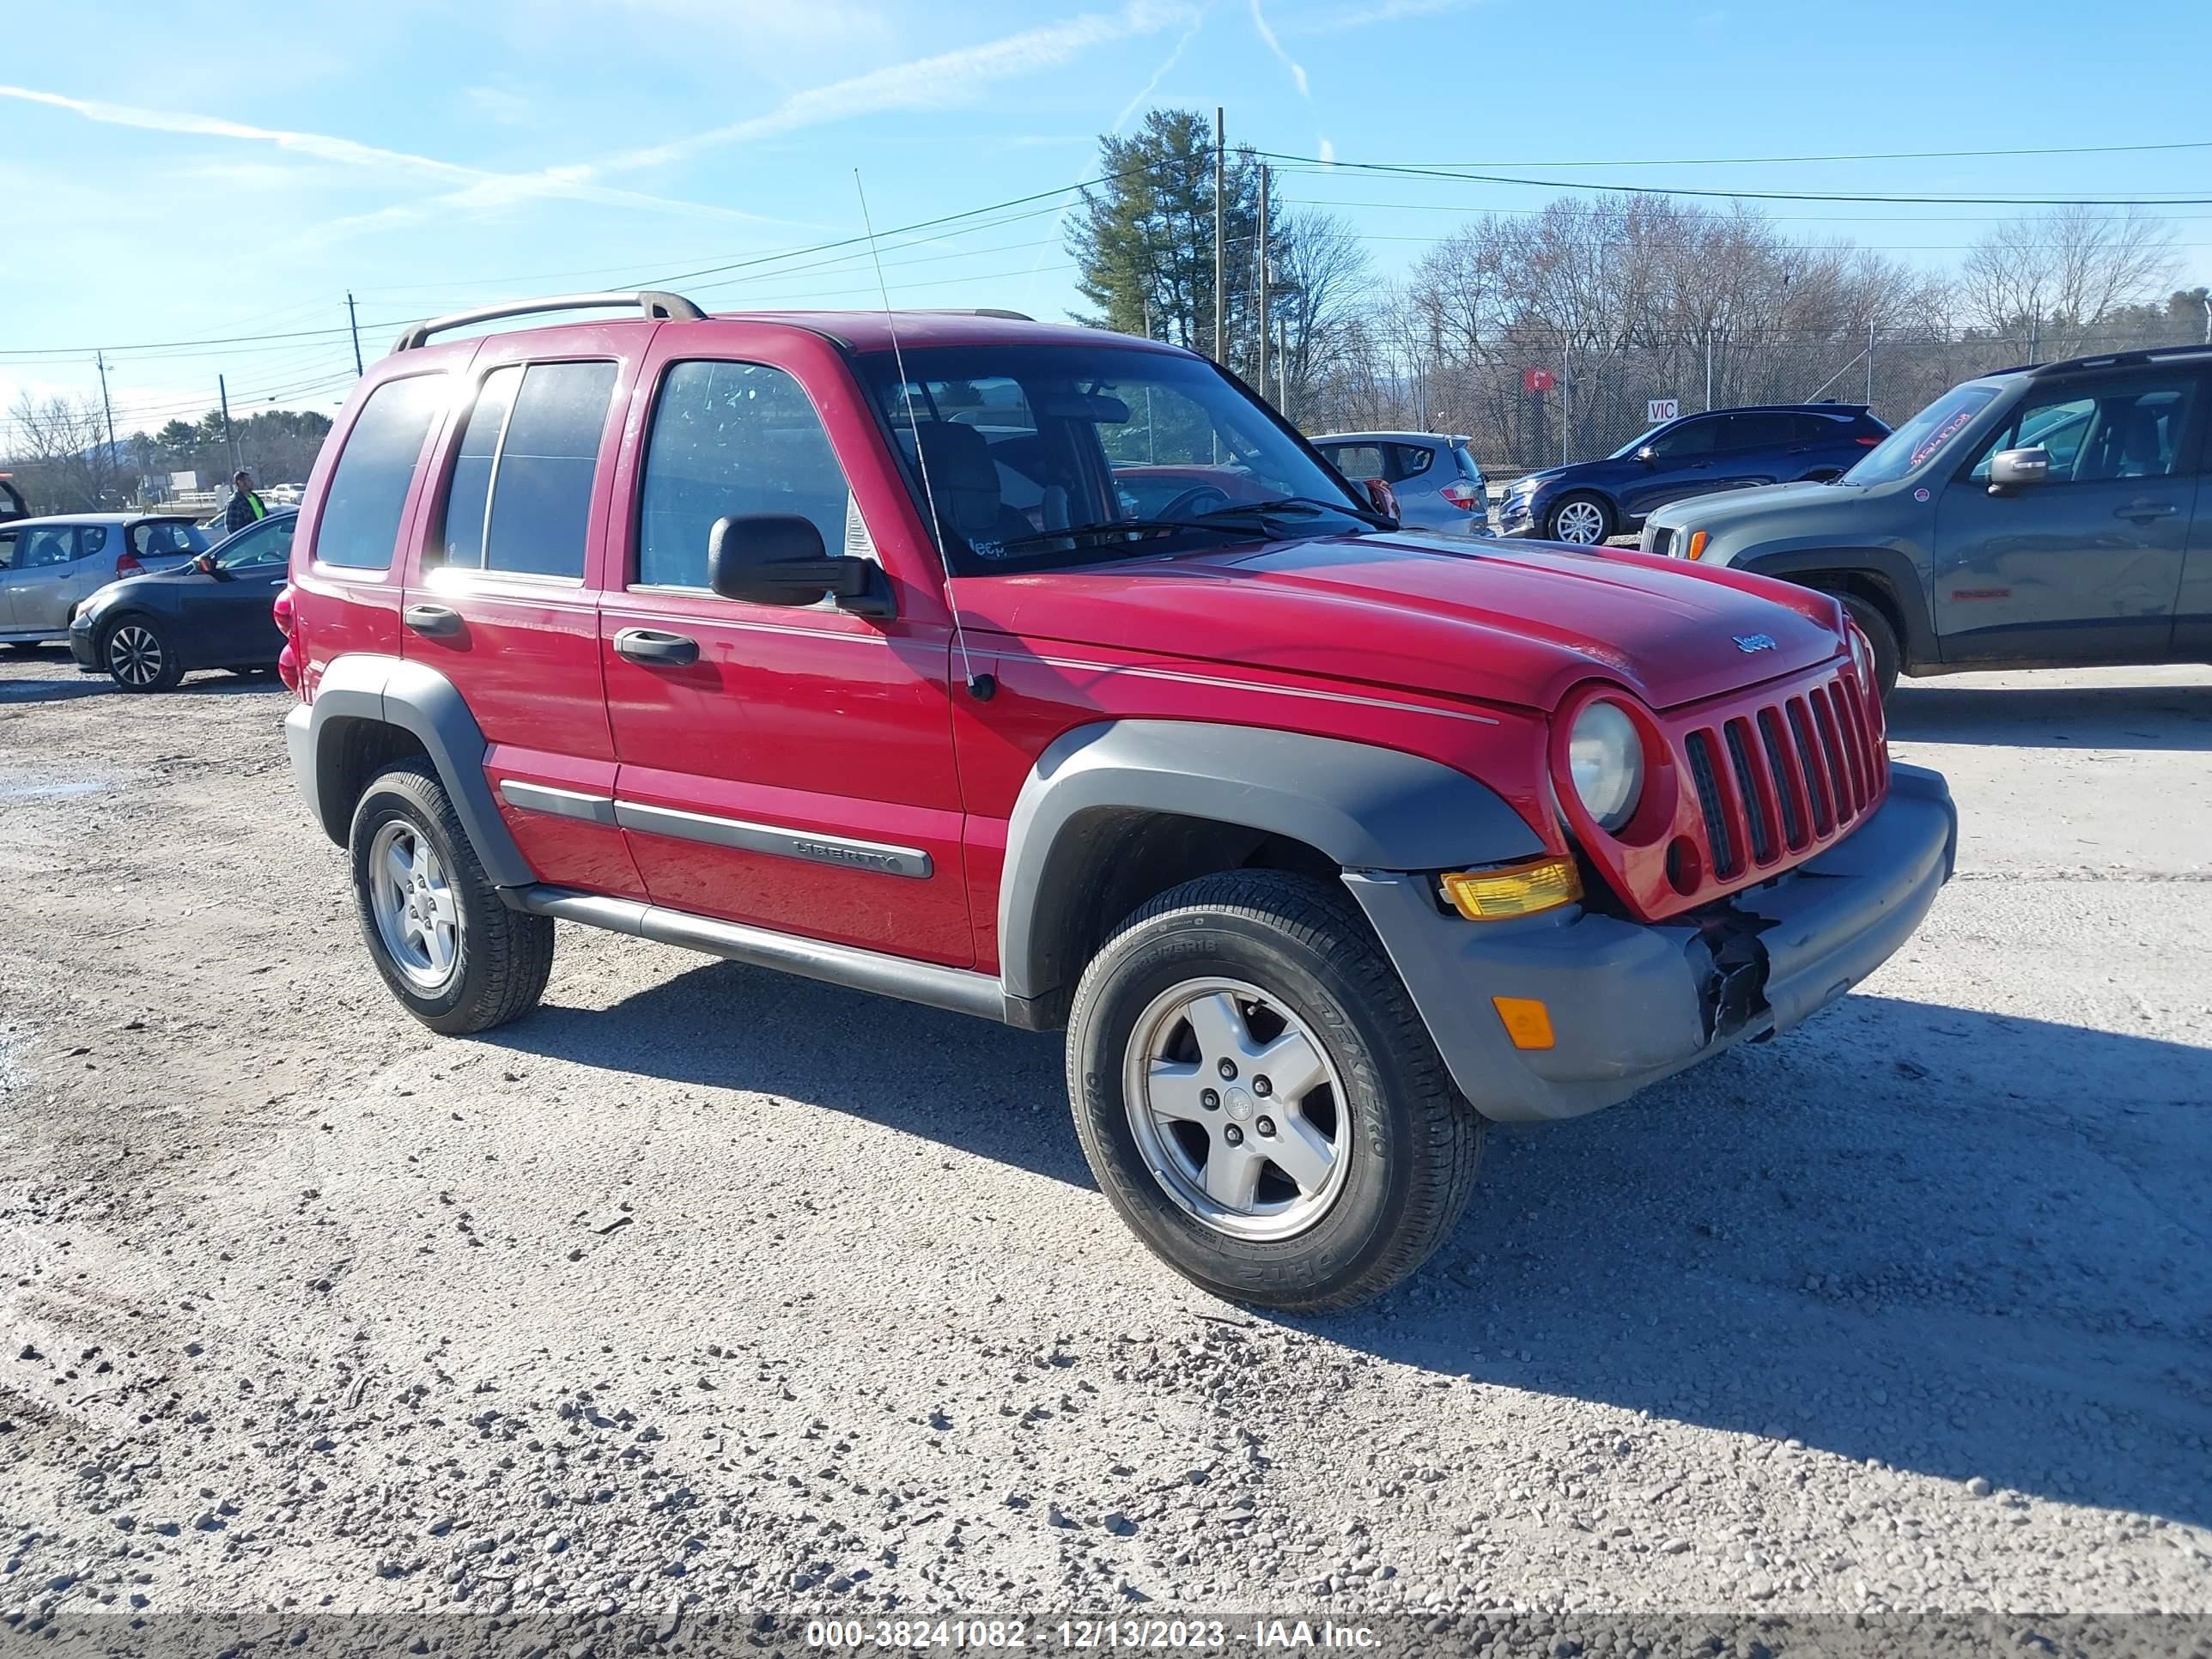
(981, 687)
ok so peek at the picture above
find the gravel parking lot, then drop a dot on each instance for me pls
(705, 1290)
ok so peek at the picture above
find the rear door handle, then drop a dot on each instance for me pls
(436, 620)
(2142, 510)
(650, 645)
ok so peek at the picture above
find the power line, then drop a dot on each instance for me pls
(1870, 155)
(1312, 163)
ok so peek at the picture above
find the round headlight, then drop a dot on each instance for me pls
(1606, 758)
(1862, 657)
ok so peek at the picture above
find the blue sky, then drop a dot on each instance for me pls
(183, 171)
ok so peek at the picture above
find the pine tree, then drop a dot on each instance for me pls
(1144, 241)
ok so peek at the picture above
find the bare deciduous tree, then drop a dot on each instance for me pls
(2047, 282)
(62, 454)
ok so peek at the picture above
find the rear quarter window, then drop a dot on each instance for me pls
(359, 526)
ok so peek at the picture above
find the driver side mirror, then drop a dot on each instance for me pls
(2009, 469)
(205, 565)
(1647, 454)
(777, 558)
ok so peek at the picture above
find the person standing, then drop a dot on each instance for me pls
(246, 506)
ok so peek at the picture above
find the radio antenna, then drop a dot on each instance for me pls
(981, 687)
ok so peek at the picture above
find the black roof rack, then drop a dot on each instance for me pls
(2103, 359)
(653, 303)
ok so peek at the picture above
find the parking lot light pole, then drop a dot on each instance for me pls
(1220, 240)
(229, 438)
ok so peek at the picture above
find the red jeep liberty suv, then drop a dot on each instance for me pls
(870, 647)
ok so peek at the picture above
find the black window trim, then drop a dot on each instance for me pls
(634, 551)
(431, 567)
(400, 556)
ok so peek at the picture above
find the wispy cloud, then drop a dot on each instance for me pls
(481, 188)
(1267, 37)
(1143, 94)
(1387, 11)
(945, 80)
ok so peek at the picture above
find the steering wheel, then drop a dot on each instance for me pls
(1199, 498)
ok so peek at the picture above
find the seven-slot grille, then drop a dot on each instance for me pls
(1785, 777)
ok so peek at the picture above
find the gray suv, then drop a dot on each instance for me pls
(1437, 483)
(2042, 517)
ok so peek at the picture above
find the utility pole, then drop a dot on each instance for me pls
(1870, 397)
(229, 439)
(105, 409)
(1220, 238)
(352, 322)
(1709, 371)
(1264, 171)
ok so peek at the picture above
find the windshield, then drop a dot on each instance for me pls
(1921, 439)
(1034, 454)
(1638, 441)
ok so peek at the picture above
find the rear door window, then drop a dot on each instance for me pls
(1358, 461)
(1759, 431)
(47, 545)
(1413, 459)
(368, 488)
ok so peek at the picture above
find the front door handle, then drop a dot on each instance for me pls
(2143, 511)
(436, 620)
(650, 645)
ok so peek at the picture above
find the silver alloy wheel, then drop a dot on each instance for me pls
(1581, 522)
(134, 655)
(1236, 1109)
(416, 912)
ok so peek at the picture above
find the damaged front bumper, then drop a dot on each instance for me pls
(1631, 1003)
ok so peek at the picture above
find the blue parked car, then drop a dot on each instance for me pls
(1694, 455)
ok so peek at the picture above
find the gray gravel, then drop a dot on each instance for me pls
(709, 1290)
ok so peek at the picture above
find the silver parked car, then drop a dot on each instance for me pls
(48, 566)
(1438, 485)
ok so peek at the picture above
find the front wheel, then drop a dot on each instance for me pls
(454, 955)
(1259, 1099)
(140, 656)
(1882, 637)
(1583, 520)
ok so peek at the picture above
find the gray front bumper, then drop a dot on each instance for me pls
(1632, 1004)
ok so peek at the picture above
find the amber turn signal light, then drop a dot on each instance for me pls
(1697, 540)
(1526, 1021)
(1519, 890)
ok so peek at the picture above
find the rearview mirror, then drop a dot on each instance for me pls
(777, 558)
(2011, 468)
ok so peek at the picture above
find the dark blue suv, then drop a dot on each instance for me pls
(1693, 455)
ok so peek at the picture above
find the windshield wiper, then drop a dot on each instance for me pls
(1305, 503)
(1205, 522)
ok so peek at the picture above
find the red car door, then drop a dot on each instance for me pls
(503, 599)
(789, 767)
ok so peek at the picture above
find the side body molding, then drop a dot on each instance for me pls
(1366, 807)
(419, 700)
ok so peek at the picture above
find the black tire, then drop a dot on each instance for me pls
(1607, 523)
(139, 654)
(1881, 635)
(1415, 1142)
(501, 956)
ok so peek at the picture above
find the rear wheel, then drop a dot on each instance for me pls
(1259, 1100)
(140, 656)
(1881, 635)
(1585, 520)
(454, 955)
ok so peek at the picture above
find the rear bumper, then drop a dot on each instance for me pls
(1631, 1004)
(300, 745)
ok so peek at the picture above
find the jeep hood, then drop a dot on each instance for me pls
(1510, 623)
(1727, 508)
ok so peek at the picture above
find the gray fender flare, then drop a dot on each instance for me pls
(419, 700)
(1890, 568)
(1366, 807)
